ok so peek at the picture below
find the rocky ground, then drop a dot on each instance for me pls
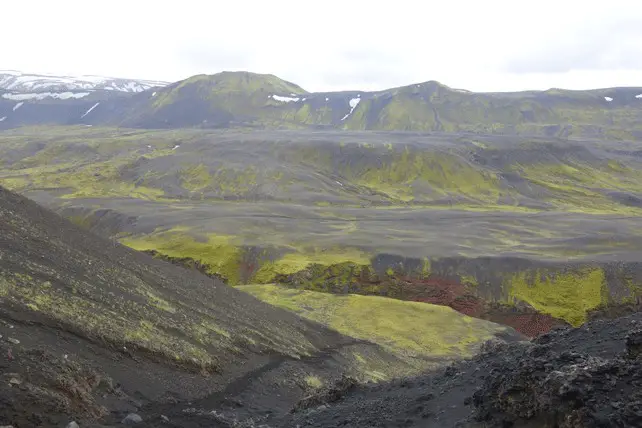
(585, 377)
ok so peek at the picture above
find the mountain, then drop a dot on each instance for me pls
(250, 100)
(222, 100)
(92, 330)
(26, 83)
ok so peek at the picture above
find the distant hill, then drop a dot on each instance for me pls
(250, 100)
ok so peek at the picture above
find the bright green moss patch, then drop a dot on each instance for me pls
(564, 295)
(408, 329)
(313, 382)
(218, 252)
(299, 261)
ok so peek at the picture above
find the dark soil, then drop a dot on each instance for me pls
(84, 337)
(585, 377)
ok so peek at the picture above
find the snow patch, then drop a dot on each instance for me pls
(608, 99)
(3, 118)
(17, 106)
(89, 111)
(353, 105)
(358, 95)
(284, 99)
(327, 99)
(339, 183)
(638, 96)
(43, 95)
(176, 147)
(154, 94)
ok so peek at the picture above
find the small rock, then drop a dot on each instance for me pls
(12, 340)
(132, 419)
(634, 343)
(164, 418)
(14, 381)
(72, 424)
(6, 426)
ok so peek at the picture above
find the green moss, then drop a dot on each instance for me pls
(313, 382)
(195, 178)
(425, 268)
(218, 252)
(565, 295)
(408, 329)
(469, 280)
(98, 320)
(411, 174)
(295, 262)
(577, 186)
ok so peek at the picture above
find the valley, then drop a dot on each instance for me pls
(232, 250)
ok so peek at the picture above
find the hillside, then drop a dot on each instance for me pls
(529, 233)
(83, 313)
(250, 100)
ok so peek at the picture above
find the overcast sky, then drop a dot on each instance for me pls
(482, 45)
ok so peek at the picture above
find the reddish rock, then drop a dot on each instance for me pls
(462, 298)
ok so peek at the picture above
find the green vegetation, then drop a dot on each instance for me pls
(408, 329)
(299, 261)
(573, 185)
(313, 382)
(219, 253)
(565, 295)
(411, 175)
(225, 258)
(107, 322)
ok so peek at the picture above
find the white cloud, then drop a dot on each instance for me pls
(331, 45)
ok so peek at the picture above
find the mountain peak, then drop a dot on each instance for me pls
(244, 81)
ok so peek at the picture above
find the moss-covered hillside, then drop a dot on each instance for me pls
(354, 212)
(250, 100)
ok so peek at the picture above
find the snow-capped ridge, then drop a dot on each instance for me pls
(44, 95)
(16, 81)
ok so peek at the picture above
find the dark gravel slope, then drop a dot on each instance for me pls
(90, 329)
(585, 377)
